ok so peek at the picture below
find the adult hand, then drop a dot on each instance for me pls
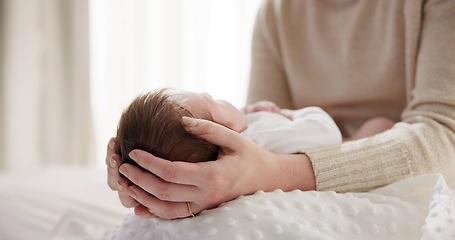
(115, 181)
(179, 189)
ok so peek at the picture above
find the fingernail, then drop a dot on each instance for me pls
(113, 163)
(123, 171)
(133, 155)
(111, 144)
(120, 187)
(131, 193)
(189, 122)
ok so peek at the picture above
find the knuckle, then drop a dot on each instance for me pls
(215, 198)
(163, 194)
(133, 178)
(112, 186)
(142, 162)
(168, 213)
(169, 174)
(217, 184)
(204, 126)
(127, 201)
(210, 128)
(112, 180)
(216, 180)
(126, 204)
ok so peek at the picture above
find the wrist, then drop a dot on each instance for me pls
(301, 172)
(291, 172)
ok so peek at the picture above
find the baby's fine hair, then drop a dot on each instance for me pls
(153, 123)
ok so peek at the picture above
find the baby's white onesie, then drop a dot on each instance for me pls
(311, 127)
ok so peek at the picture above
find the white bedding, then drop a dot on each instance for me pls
(32, 203)
(61, 203)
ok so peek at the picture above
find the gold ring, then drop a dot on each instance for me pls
(189, 209)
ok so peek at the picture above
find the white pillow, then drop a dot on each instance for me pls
(397, 211)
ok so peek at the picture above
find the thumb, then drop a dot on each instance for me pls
(213, 132)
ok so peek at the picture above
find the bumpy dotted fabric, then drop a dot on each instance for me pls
(419, 208)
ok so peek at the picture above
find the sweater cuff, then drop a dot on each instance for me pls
(360, 165)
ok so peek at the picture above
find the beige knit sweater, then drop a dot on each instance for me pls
(359, 59)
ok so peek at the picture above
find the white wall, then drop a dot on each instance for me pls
(136, 46)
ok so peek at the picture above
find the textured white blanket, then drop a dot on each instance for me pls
(419, 208)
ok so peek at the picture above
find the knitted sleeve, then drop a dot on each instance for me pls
(424, 142)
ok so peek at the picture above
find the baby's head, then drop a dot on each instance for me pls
(153, 123)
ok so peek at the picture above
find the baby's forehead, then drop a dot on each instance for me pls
(185, 96)
(175, 95)
(195, 103)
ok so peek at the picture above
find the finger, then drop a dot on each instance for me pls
(122, 184)
(142, 211)
(112, 143)
(162, 209)
(161, 189)
(127, 200)
(174, 172)
(213, 133)
(115, 181)
(112, 159)
(110, 149)
(113, 175)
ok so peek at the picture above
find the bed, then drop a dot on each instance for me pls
(75, 203)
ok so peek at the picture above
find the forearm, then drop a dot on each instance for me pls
(360, 165)
(409, 149)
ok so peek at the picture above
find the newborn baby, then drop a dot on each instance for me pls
(152, 122)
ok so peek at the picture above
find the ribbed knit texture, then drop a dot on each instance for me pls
(359, 59)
